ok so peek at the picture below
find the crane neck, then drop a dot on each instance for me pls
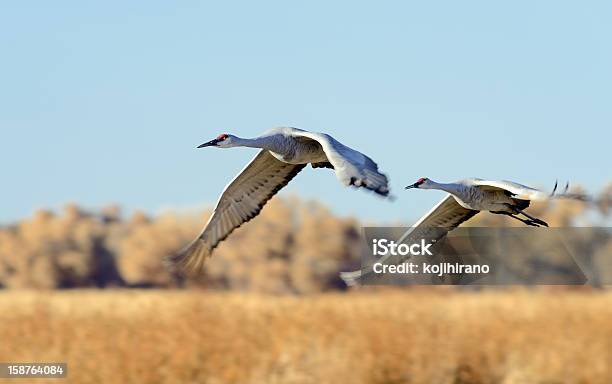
(452, 188)
(262, 142)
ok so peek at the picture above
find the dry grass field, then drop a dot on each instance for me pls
(415, 336)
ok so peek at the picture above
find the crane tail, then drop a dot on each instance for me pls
(189, 260)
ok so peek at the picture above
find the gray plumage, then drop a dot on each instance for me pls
(284, 153)
(465, 199)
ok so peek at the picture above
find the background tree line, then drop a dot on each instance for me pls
(294, 246)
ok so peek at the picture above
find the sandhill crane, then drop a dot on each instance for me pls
(499, 197)
(465, 199)
(284, 153)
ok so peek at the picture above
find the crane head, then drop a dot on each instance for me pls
(419, 183)
(223, 140)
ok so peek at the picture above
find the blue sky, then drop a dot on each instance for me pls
(105, 102)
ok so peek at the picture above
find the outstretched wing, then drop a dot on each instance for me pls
(242, 199)
(352, 167)
(523, 192)
(517, 190)
(441, 219)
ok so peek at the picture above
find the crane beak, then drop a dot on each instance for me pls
(212, 143)
(415, 185)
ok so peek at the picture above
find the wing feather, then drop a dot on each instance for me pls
(523, 192)
(517, 190)
(352, 167)
(441, 219)
(243, 198)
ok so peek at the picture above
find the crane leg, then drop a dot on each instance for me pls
(525, 221)
(535, 219)
(531, 218)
